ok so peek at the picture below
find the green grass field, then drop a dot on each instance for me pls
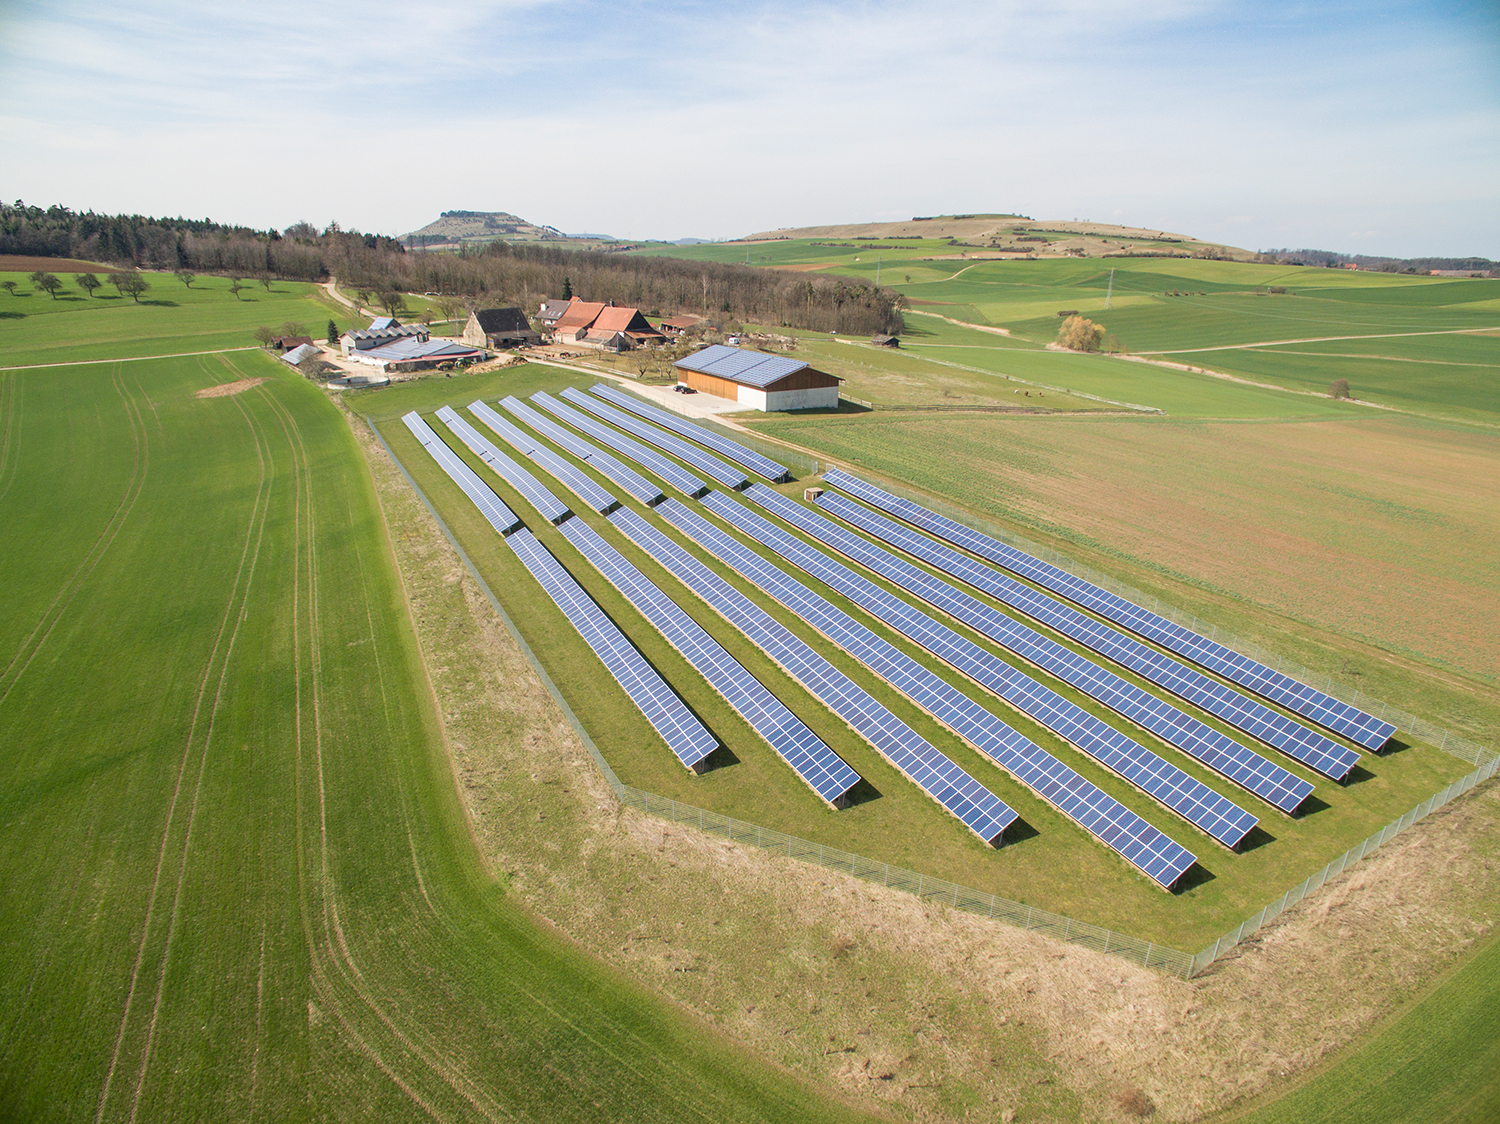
(171, 319)
(238, 881)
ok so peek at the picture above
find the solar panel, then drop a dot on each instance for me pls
(1267, 780)
(1184, 794)
(572, 478)
(552, 508)
(668, 714)
(691, 454)
(725, 446)
(918, 760)
(1190, 798)
(622, 474)
(490, 506)
(824, 771)
(1255, 718)
(1119, 828)
(664, 467)
(1316, 706)
(753, 368)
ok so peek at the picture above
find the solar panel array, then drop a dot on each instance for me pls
(1266, 779)
(725, 446)
(828, 775)
(1190, 798)
(552, 508)
(1255, 718)
(668, 715)
(919, 760)
(1361, 728)
(621, 474)
(668, 469)
(490, 506)
(574, 479)
(703, 462)
(1144, 846)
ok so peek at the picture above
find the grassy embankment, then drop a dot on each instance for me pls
(239, 884)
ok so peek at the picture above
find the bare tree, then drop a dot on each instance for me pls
(186, 276)
(264, 336)
(88, 283)
(234, 285)
(128, 282)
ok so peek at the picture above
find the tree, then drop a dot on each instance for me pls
(1339, 388)
(234, 285)
(186, 276)
(362, 297)
(1078, 334)
(9, 287)
(128, 282)
(264, 336)
(393, 302)
(88, 283)
(265, 279)
(567, 288)
(333, 334)
(291, 328)
(47, 283)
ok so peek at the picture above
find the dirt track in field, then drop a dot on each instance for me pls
(898, 1003)
(225, 389)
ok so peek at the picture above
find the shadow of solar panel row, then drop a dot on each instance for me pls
(668, 469)
(725, 446)
(691, 454)
(621, 474)
(1327, 711)
(918, 760)
(1189, 797)
(1151, 851)
(1219, 752)
(1255, 718)
(823, 770)
(553, 509)
(571, 477)
(490, 506)
(669, 716)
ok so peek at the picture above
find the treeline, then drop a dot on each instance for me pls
(1330, 259)
(507, 273)
(203, 245)
(500, 273)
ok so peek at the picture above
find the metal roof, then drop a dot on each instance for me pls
(403, 350)
(297, 354)
(752, 368)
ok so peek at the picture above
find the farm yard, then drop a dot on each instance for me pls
(297, 723)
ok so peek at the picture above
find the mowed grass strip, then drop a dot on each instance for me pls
(239, 882)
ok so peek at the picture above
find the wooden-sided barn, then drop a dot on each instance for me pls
(753, 378)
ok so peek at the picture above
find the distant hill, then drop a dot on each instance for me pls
(1020, 233)
(461, 227)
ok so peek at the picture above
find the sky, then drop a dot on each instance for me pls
(1367, 127)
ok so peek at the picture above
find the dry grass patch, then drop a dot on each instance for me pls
(226, 389)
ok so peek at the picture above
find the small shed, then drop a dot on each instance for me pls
(754, 378)
(297, 354)
(286, 343)
(499, 328)
(885, 341)
(679, 324)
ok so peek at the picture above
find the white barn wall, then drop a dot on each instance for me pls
(814, 398)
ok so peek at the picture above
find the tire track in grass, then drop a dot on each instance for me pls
(427, 1053)
(90, 561)
(10, 432)
(256, 521)
(192, 814)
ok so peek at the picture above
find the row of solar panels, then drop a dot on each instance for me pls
(1216, 815)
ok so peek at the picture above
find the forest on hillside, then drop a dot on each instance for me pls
(499, 273)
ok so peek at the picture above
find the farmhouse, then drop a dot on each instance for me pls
(573, 323)
(753, 378)
(499, 328)
(626, 322)
(550, 311)
(601, 325)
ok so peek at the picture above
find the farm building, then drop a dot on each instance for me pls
(885, 341)
(679, 324)
(407, 353)
(753, 378)
(550, 311)
(364, 339)
(602, 325)
(286, 343)
(295, 355)
(574, 322)
(499, 328)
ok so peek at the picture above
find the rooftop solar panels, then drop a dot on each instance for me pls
(1267, 780)
(828, 775)
(741, 365)
(490, 506)
(1190, 798)
(725, 446)
(1361, 728)
(668, 715)
(1271, 726)
(572, 478)
(1128, 834)
(924, 764)
(664, 467)
(552, 509)
(621, 474)
(703, 462)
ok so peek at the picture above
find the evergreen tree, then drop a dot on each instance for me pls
(567, 288)
(333, 333)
